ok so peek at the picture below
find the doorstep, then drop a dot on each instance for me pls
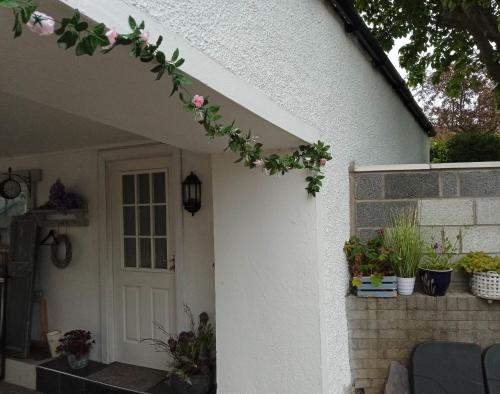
(55, 377)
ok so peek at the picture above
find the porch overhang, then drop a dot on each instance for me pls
(118, 91)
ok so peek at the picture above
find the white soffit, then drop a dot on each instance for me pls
(119, 91)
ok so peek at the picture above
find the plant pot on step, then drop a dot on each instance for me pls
(77, 362)
(200, 384)
(435, 282)
(406, 285)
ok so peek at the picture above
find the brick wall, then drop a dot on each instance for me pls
(451, 200)
(383, 330)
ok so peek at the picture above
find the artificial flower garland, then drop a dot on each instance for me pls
(73, 32)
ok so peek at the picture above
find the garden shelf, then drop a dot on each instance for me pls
(66, 218)
(388, 287)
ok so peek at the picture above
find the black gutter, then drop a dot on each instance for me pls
(355, 25)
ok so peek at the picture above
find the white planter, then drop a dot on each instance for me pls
(406, 285)
(53, 340)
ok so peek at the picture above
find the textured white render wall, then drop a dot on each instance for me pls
(73, 293)
(297, 53)
(266, 282)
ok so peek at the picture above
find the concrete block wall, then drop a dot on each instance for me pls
(451, 199)
(385, 330)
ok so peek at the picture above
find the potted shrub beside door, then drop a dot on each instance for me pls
(193, 356)
(436, 268)
(403, 236)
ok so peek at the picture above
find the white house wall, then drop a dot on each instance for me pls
(73, 293)
(297, 53)
(266, 281)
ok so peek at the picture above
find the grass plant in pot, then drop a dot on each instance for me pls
(76, 345)
(369, 263)
(436, 268)
(193, 356)
(403, 237)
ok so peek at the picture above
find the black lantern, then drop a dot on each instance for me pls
(191, 193)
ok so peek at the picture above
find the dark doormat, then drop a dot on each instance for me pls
(128, 376)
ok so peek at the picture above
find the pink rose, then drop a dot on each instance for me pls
(258, 163)
(198, 101)
(322, 162)
(41, 24)
(111, 35)
(144, 37)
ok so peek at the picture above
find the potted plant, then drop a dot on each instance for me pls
(436, 268)
(370, 266)
(193, 356)
(485, 271)
(76, 345)
(403, 237)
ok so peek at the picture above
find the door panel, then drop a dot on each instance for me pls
(143, 258)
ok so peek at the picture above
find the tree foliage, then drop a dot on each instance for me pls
(472, 110)
(458, 35)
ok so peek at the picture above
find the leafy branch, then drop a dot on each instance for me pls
(73, 32)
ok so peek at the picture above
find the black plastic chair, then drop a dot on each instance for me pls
(492, 369)
(447, 368)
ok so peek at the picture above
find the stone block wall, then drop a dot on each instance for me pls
(385, 330)
(451, 199)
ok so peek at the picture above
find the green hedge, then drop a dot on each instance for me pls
(466, 147)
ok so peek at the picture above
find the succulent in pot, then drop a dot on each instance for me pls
(76, 345)
(485, 272)
(403, 237)
(436, 267)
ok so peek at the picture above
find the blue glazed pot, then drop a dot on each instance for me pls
(435, 283)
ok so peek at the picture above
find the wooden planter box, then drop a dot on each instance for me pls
(388, 287)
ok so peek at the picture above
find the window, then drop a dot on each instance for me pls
(145, 220)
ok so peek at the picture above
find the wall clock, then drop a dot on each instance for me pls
(10, 189)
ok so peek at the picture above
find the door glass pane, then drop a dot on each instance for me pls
(161, 253)
(145, 220)
(128, 189)
(159, 188)
(145, 247)
(160, 212)
(129, 252)
(128, 220)
(143, 188)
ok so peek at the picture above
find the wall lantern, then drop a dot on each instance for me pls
(191, 193)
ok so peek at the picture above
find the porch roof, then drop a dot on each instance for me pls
(119, 93)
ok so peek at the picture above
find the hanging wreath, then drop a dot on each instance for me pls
(73, 32)
(61, 239)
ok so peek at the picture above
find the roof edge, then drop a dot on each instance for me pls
(354, 24)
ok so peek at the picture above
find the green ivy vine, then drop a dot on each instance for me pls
(73, 32)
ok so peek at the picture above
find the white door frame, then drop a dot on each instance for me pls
(106, 281)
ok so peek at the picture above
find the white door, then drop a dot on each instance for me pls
(143, 258)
